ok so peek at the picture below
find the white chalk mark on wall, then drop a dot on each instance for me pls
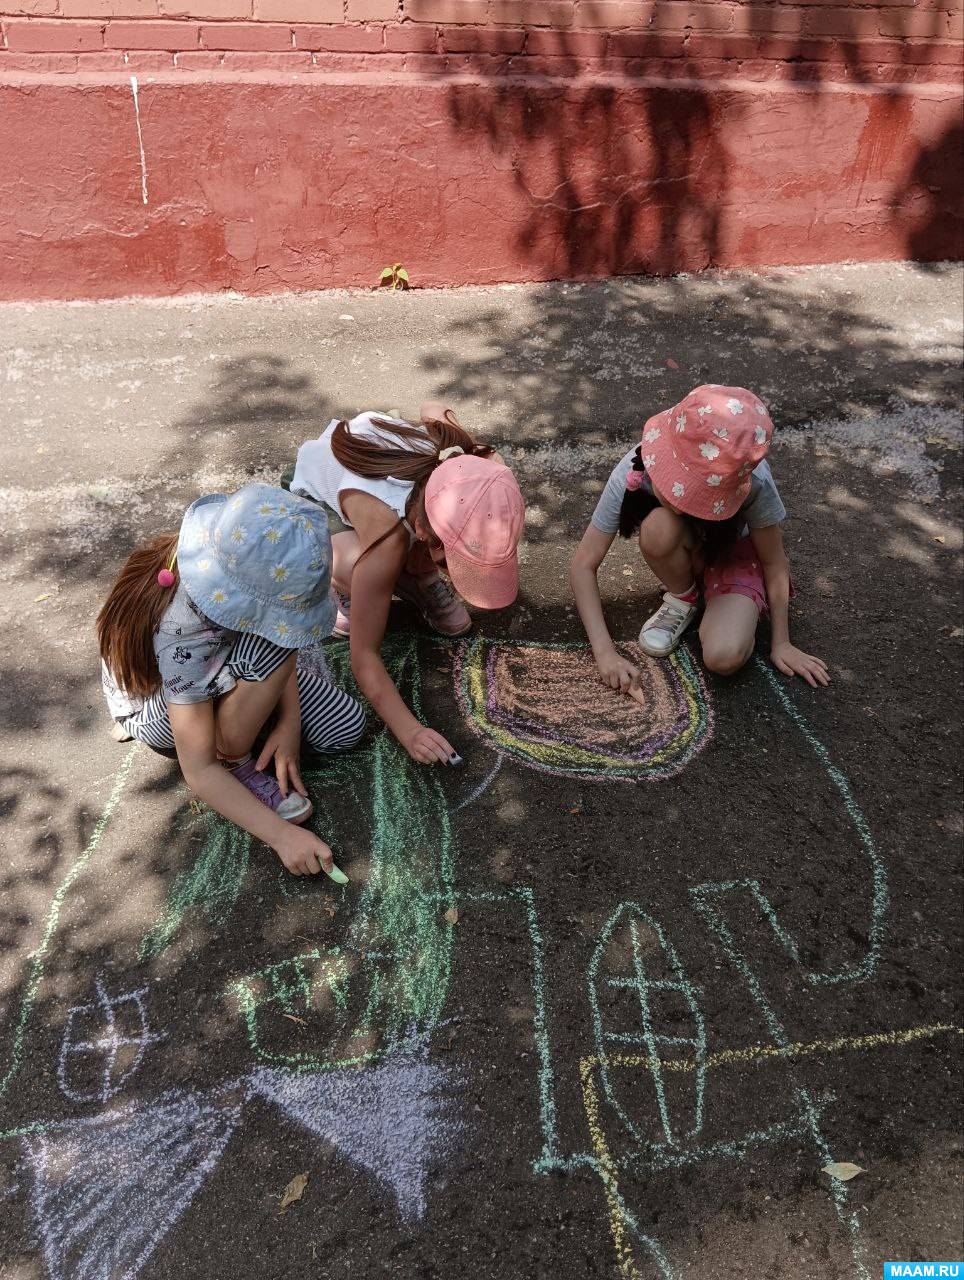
(117, 1036)
(140, 139)
(107, 1189)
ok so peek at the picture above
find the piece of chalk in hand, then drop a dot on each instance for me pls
(335, 874)
(455, 758)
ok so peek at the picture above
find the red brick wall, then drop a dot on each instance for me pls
(163, 146)
(888, 41)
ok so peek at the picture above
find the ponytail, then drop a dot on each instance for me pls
(377, 460)
(131, 615)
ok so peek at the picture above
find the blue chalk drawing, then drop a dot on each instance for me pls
(108, 1188)
(392, 1119)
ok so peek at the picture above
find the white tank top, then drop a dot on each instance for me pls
(319, 474)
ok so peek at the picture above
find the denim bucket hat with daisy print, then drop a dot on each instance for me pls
(259, 561)
(701, 453)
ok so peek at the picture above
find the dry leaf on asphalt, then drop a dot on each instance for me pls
(293, 1191)
(956, 632)
(452, 915)
(842, 1170)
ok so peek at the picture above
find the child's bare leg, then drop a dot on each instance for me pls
(665, 543)
(728, 632)
(240, 714)
(345, 550)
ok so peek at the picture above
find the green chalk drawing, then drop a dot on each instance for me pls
(550, 1158)
(295, 988)
(631, 918)
(398, 945)
(211, 886)
(38, 956)
(878, 872)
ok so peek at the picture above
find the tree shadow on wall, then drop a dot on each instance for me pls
(622, 167)
(931, 199)
(587, 218)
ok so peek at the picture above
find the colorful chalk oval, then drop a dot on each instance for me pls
(544, 705)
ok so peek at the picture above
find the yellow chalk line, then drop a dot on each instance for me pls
(607, 1171)
(754, 1055)
(757, 1054)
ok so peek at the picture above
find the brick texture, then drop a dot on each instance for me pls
(872, 41)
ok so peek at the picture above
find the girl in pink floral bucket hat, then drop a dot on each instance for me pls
(700, 493)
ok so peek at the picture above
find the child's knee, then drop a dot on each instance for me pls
(661, 533)
(354, 728)
(342, 735)
(724, 655)
(234, 743)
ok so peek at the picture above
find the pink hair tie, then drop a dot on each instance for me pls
(634, 480)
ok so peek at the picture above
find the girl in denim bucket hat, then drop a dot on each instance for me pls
(199, 640)
(700, 493)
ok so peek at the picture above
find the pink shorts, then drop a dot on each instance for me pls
(738, 572)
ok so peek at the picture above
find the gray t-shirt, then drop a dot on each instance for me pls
(763, 505)
(192, 653)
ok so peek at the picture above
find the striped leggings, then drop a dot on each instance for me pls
(331, 720)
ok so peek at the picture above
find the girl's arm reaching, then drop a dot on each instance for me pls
(615, 670)
(301, 851)
(785, 656)
(372, 583)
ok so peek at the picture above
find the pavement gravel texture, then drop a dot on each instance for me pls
(608, 998)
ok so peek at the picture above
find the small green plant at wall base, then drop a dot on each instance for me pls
(394, 277)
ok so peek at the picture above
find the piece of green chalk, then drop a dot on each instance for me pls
(336, 874)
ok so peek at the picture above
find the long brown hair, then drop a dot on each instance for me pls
(378, 461)
(132, 613)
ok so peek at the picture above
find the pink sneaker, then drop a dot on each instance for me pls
(436, 601)
(293, 807)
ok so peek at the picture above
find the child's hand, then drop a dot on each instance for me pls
(302, 852)
(428, 747)
(618, 672)
(792, 661)
(284, 744)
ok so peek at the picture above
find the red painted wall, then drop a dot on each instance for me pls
(290, 155)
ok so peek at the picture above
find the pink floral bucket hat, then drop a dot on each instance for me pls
(700, 454)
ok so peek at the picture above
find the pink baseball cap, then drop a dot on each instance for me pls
(700, 454)
(475, 507)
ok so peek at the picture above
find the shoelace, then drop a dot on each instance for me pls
(668, 618)
(263, 786)
(440, 594)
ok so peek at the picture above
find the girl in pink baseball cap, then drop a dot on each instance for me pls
(403, 500)
(700, 493)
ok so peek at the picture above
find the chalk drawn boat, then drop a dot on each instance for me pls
(543, 704)
(647, 1026)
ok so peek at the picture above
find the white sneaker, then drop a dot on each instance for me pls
(663, 631)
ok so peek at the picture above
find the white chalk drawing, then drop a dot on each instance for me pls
(391, 1119)
(107, 1189)
(114, 1025)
